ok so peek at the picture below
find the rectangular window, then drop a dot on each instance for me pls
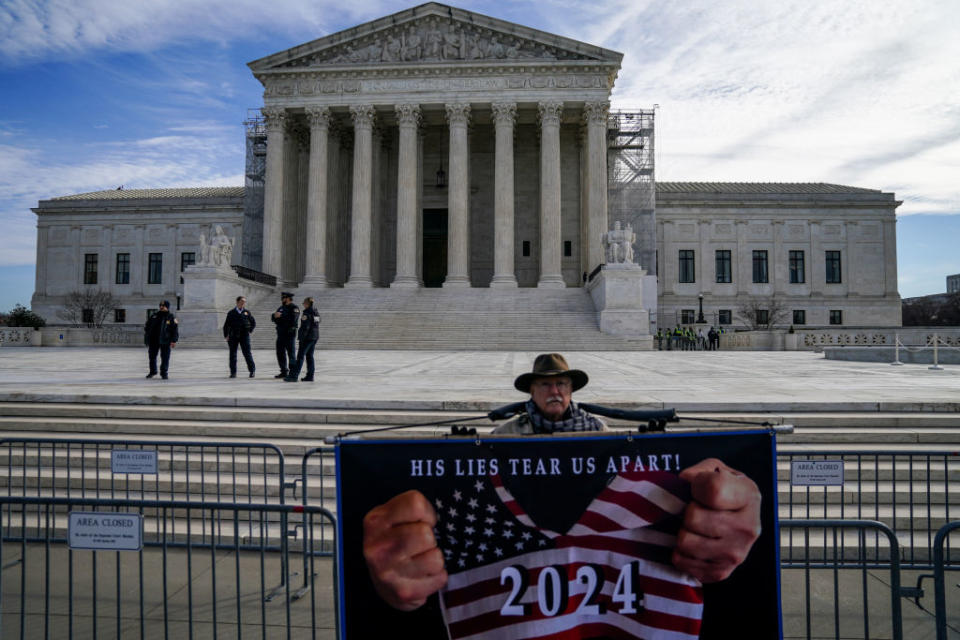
(836, 316)
(686, 316)
(799, 316)
(687, 265)
(763, 317)
(833, 268)
(187, 258)
(724, 271)
(526, 248)
(797, 268)
(724, 316)
(123, 268)
(119, 315)
(155, 270)
(87, 316)
(567, 248)
(90, 268)
(760, 273)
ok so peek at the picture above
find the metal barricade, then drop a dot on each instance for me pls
(317, 486)
(181, 582)
(943, 554)
(187, 470)
(846, 559)
(914, 493)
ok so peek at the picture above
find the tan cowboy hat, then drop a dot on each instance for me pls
(551, 365)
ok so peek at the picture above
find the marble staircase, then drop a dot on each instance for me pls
(477, 319)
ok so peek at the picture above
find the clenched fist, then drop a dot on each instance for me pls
(720, 524)
(405, 564)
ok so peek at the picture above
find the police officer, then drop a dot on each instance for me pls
(286, 318)
(236, 331)
(308, 336)
(160, 334)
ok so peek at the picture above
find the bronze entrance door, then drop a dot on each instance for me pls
(434, 247)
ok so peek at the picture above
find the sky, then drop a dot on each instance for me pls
(100, 93)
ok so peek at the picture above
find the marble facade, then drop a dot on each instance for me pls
(359, 123)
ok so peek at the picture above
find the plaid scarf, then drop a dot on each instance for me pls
(577, 420)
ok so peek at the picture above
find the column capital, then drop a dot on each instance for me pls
(504, 113)
(550, 113)
(318, 117)
(408, 115)
(596, 112)
(363, 116)
(275, 117)
(458, 113)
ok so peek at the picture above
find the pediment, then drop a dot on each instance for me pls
(435, 34)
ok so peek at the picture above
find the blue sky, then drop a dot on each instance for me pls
(99, 93)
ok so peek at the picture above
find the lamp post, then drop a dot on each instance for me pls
(700, 318)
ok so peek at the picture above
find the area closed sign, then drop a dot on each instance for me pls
(105, 531)
(816, 473)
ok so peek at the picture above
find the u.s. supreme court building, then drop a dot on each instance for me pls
(438, 161)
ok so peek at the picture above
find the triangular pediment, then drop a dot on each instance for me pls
(435, 34)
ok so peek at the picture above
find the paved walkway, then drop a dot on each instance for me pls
(701, 381)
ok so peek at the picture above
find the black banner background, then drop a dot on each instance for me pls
(370, 472)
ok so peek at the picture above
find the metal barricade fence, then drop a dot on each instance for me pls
(237, 472)
(317, 486)
(942, 564)
(174, 586)
(914, 493)
(834, 584)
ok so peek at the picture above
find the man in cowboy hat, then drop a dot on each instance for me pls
(719, 528)
(550, 408)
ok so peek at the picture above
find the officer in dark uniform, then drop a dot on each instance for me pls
(160, 334)
(236, 331)
(308, 336)
(286, 318)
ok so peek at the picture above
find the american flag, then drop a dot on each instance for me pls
(609, 576)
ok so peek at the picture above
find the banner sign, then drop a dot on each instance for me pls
(563, 537)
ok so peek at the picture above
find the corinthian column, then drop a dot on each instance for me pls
(458, 213)
(504, 115)
(363, 116)
(276, 121)
(595, 214)
(315, 266)
(408, 119)
(550, 246)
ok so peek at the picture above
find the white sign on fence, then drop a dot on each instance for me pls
(105, 531)
(816, 473)
(133, 461)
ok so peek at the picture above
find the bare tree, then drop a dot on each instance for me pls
(88, 308)
(762, 313)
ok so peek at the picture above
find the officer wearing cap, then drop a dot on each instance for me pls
(160, 334)
(236, 331)
(287, 319)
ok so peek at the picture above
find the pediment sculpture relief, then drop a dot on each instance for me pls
(435, 40)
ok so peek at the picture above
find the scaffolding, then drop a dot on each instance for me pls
(631, 189)
(254, 173)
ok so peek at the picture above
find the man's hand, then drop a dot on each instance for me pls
(720, 525)
(173, 345)
(401, 551)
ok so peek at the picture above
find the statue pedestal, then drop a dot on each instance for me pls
(618, 296)
(208, 293)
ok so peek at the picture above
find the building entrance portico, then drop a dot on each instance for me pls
(359, 123)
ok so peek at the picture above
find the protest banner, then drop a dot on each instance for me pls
(558, 537)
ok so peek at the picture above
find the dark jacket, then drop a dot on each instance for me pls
(238, 324)
(288, 320)
(162, 328)
(309, 325)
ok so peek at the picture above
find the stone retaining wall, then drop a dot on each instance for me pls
(19, 337)
(819, 339)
